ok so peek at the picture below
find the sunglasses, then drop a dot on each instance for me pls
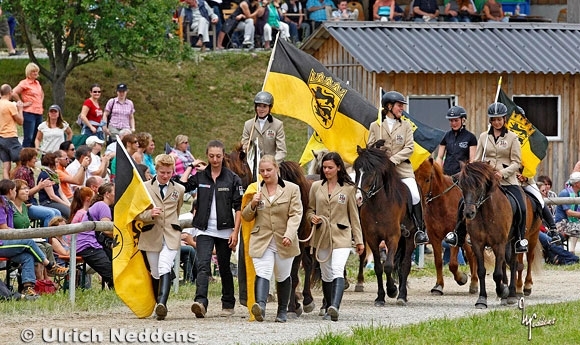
(71, 149)
(96, 91)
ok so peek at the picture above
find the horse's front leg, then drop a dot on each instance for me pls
(500, 274)
(389, 265)
(360, 280)
(404, 268)
(532, 257)
(308, 266)
(519, 286)
(470, 256)
(438, 257)
(294, 307)
(460, 277)
(482, 300)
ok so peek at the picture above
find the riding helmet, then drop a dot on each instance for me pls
(264, 97)
(392, 97)
(456, 112)
(497, 109)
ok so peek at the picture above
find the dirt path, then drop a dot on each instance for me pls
(357, 309)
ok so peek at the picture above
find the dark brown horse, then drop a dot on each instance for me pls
(291, 171)
(236, 161)
(489, 216)
(384, 215)
(440, 201)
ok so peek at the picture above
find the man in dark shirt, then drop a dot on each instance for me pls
(425, 10)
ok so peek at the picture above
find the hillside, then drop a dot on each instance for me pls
(209, 98)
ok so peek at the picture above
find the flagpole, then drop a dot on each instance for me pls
(489, 125)
(380, 113)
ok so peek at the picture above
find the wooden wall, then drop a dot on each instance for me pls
(474, 92)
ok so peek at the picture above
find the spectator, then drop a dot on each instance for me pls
(10, 116)
(493, 12)
(549, 193)
(5, 32)
(88, 247)
(425, 10)
(275, 22)
(567, 215)
(94, 183)
(30, 93)
(143, 139)
(91, 115)
(183, 158)
(144, 171)
(112, 147)
(201, 17)
(73, 167)
(52, 196)
(294, 17)
(343, 12)
(52, 132)
(131, 144)
(241, 20)
(62, 161)
(384, 10)
(187, 256)
(148, 158)
(24, 172)
(459, 10)
(98, 166)
(217, 219)
(161, 242)
(119, 113)
(68, 147)
(317, 10)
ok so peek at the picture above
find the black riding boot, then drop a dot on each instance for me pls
(155, 283)
(336, 298)
(261, 290)
(163, 295)
(420, 234)
(457, 237)
(284, 289)
(327, 293)
(549, 220)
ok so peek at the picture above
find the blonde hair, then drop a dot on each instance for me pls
(31, 67)
(164, 160)
(55, 220)
(181, 138)
(270, 159)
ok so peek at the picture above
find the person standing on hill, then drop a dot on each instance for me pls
(119, 113)
(30, 93)
(10, 116)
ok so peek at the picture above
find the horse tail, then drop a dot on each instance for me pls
(537, 263)
(488, 259)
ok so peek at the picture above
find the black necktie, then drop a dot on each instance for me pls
(161, 187)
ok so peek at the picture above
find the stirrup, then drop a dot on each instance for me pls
(421, 237)
(521, 246)
(451, 239)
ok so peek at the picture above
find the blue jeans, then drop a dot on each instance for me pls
(447, 254)
(63, 210)
(30, 127)
(43, 213)
(188, 260)
(205, 245)
(24, 252)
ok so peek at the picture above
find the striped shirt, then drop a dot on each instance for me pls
(121, 113)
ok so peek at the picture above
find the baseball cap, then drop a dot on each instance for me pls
(122, 87)
(55, 107)
(574, 177)
(92, 140)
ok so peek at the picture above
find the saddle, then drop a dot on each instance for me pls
(516, 207)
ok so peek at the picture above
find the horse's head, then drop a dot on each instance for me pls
(236, 161)
(424, 175)
(369, 168)
(316, 165)
(477, 181)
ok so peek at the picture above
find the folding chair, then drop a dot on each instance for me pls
(9, 267)
(81, 267)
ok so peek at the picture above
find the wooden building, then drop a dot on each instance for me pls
(437, 65)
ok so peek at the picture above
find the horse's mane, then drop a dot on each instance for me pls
(235, 162)
(292, 171)
(476, 174)
(377, 160)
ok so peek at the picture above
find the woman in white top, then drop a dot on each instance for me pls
(52, 132)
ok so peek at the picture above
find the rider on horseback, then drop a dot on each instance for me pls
(500, 148)
(399, 145)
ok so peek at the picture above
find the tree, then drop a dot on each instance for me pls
(77, 32)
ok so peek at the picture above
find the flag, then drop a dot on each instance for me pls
(426, 138)
(247, 227)
(131, 277)
(534, 144)
(314, 144)
(304, 89)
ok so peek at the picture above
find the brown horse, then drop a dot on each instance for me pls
(291, 171)
(440, 201)
(385, 215)
(236, 162)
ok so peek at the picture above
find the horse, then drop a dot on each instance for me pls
(440, 203)
(385, 215)
(489, 215)
(236, 162)
(291, 171)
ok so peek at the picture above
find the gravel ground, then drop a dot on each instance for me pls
(357, 310)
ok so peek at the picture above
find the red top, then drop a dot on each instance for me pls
(95, 113)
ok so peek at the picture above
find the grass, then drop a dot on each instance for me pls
(207, 97)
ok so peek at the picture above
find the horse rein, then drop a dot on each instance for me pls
(372, 192)
(429, 197)
(480, 201)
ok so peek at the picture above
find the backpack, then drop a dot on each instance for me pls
(43, 287)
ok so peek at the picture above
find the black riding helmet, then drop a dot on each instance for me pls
(497, 109)
(392, 97)
(456, 112)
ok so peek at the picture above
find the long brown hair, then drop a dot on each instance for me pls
(78, 200)
(103, 189)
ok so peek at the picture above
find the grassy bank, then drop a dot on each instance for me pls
(207, 98)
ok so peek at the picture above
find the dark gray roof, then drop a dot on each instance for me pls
(440, 47)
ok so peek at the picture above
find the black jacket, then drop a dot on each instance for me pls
(228, 195)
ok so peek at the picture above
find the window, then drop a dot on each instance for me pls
(431, 110)
(543, 112)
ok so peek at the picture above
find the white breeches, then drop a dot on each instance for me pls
(161, 262)
(412, 184)
(284, 31)
(334, 266)
(265, 266)
(533, 189)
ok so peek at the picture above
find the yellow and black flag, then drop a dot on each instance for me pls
(304, 89)
(533, 142)
(426, 138)
(314, 144)
(131, 277)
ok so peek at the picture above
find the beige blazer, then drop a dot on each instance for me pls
(341, 210)
(505, 155)
(166, 225)
(276, 218)
(271, 138)
(399, 144)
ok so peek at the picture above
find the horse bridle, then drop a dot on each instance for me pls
(429, 197)
(371, 192)
(480, 201)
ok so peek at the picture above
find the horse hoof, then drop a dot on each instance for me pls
(292, 315)
(309, 307)
(401, 302)
(527, 292)
(463, 279)
(481, 303)
(379, 303)
(437, 290)
(512, 300)
(473, 290)
(505, 292)
(359, 288)
(392, 293)
(504, 301)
